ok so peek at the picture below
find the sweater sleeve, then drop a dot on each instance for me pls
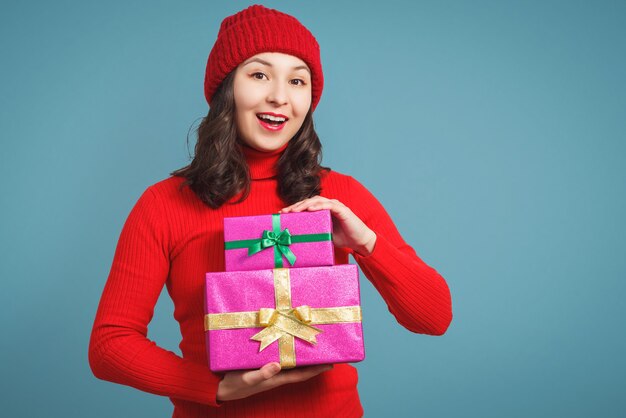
(415, 293)
(119, 350)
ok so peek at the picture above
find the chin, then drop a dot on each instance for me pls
(269, 147)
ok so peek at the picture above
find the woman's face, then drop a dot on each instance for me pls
(272, 97)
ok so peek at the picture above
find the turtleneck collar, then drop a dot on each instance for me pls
(262, 164)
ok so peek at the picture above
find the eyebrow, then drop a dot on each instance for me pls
(259, 60)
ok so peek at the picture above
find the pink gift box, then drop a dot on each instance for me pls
(234, 306)
(310, 234)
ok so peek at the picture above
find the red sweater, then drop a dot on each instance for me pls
(171, 238)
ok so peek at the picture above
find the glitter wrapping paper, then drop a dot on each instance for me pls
(249, 291)
(308, 254)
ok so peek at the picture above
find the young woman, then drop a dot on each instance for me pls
(257, 153)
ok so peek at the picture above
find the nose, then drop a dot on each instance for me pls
(277, 94)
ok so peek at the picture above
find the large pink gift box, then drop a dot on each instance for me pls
(298, 239)
(296, 317)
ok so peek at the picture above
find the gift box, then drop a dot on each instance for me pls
(299, 239)
(296, 317)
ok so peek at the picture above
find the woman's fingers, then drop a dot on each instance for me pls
(294, 206)
(301, 205)
(299, 375)
(237, 385)
(314, 203)
(348, 229)
(240, 384)
(264, 373)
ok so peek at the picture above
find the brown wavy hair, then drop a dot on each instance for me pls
(218, 170)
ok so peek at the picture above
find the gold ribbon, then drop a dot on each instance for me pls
(284, 322)
(278, 323)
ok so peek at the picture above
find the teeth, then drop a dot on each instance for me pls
(271, 118)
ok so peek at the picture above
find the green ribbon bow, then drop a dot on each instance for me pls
(280, 240)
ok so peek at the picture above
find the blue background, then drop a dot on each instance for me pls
(492, 131)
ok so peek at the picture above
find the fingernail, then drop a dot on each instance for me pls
(275, 367)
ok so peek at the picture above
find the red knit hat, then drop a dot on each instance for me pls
(259, 29)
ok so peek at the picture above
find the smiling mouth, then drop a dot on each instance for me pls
(272, 120)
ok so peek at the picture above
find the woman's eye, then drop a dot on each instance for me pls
(297, 82)
(258, 76)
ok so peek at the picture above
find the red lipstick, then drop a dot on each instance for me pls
(272, 125)
(278, 115)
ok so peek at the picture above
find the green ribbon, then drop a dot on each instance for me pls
(280, 240)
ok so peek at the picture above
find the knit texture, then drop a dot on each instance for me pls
(258, 29)
(171, 238)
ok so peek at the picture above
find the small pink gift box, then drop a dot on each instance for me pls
(296, 317)
(299, 239)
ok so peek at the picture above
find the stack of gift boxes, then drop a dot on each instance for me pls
(281, 298)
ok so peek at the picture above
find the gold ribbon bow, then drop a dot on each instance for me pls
(284, 323)
(280, 323)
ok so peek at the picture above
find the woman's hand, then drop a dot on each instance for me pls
(241, 384)
(348, 230)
